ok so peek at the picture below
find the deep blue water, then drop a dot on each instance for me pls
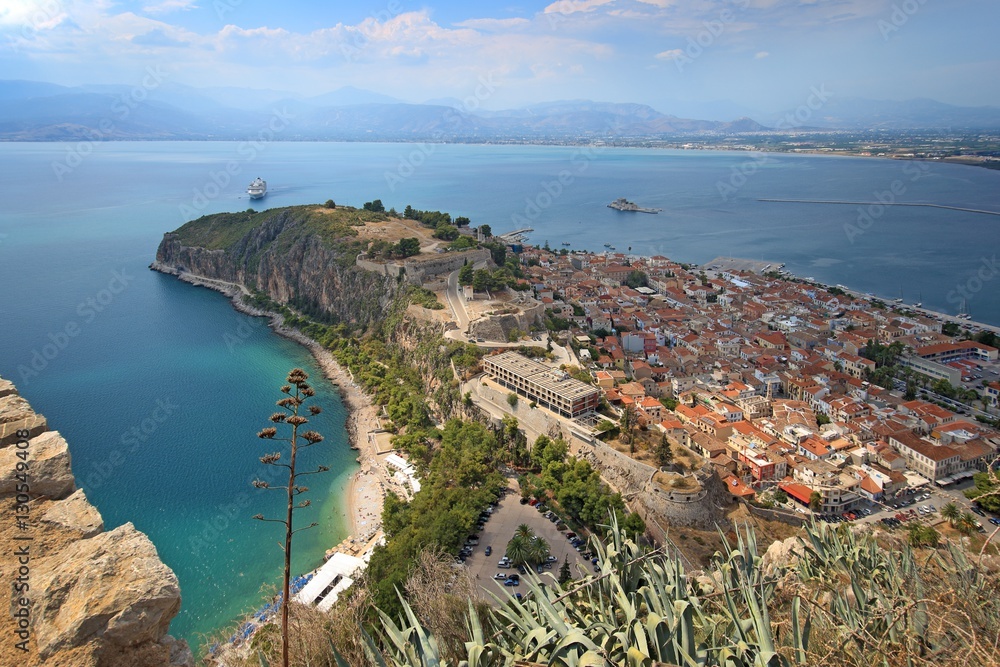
(148, 352)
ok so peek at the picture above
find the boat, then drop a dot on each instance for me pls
(607, 245)
(257, 189)
(565, 242)
(622, 204)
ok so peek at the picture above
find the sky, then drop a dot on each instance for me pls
(747, 55)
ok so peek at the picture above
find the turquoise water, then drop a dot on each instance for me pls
(148, 352)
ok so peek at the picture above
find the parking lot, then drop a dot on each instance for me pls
(500, 527)
(910, 505)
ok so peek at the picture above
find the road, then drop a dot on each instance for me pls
(457, 303)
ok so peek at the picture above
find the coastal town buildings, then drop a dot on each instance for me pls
(780, 383)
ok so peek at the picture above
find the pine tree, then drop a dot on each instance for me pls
(664, 455)
(564, 573)
(291, 404)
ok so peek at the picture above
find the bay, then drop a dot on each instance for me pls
(77, 232)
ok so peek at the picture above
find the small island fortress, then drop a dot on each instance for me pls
(622, 204)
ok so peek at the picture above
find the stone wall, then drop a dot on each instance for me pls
(704, 508)
(428, 270)
(94, 598)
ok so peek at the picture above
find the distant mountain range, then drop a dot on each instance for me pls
(38, 111)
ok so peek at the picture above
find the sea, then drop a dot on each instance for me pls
(160, 386)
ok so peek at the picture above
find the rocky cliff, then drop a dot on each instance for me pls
(300, 256)
(78, 596)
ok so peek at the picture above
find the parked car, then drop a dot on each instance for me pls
(511, 582)
(995, 521)
(978, 511)
(489, 550)
(551, 559)
(499, 575)
(524, 501)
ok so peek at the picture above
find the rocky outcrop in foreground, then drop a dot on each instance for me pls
(78, 596)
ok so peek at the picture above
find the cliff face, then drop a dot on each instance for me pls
(285, 255)
(77, 595)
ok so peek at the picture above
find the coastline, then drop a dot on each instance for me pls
(367, 486)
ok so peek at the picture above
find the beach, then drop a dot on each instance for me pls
(367, 488)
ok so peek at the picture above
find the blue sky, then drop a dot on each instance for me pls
(759, 54)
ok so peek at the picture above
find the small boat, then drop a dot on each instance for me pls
(257, 189)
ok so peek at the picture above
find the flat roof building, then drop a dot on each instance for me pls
(550, 388)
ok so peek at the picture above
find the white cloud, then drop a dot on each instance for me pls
(167, 6)
(760, 55)
(567, 7)
(31, 14)
(492, 25)
(672, 54)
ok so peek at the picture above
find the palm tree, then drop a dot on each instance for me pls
(524, 532)
(967, 523)
(538, 550)
(517, 550)
(951, 512)
(815, 501)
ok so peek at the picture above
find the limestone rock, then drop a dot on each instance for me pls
(112, 587)
(781, 554)
(77, 514)
(14, 408)
(49, 467)
(180, 652)
(33, 423)
(7, 388)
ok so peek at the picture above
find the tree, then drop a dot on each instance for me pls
(374, 206)
(408, 247)
(664, 455)
(822, 419)
(780, 497)
(465, 274)
(486, 231)
(330, 204)
(526, 548)
(951, 512)
(986, 492)
(919, 535)
(462, 221)
(815, 501)
(512, 399)
(564, 573)
(627, 422)
(291, 405)
(637, 279)
(967, 523)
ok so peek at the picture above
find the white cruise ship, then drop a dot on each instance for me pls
(257, 189)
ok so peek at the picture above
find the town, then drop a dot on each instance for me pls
(803, 398)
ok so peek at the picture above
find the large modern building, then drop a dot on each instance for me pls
(550, 388)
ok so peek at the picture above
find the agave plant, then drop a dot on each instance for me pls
(638, 610)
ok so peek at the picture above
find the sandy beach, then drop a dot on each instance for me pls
(366, 490)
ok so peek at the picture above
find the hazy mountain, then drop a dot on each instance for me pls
(349, 95)
(42, 111)
(23, 90)
(854, 113)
